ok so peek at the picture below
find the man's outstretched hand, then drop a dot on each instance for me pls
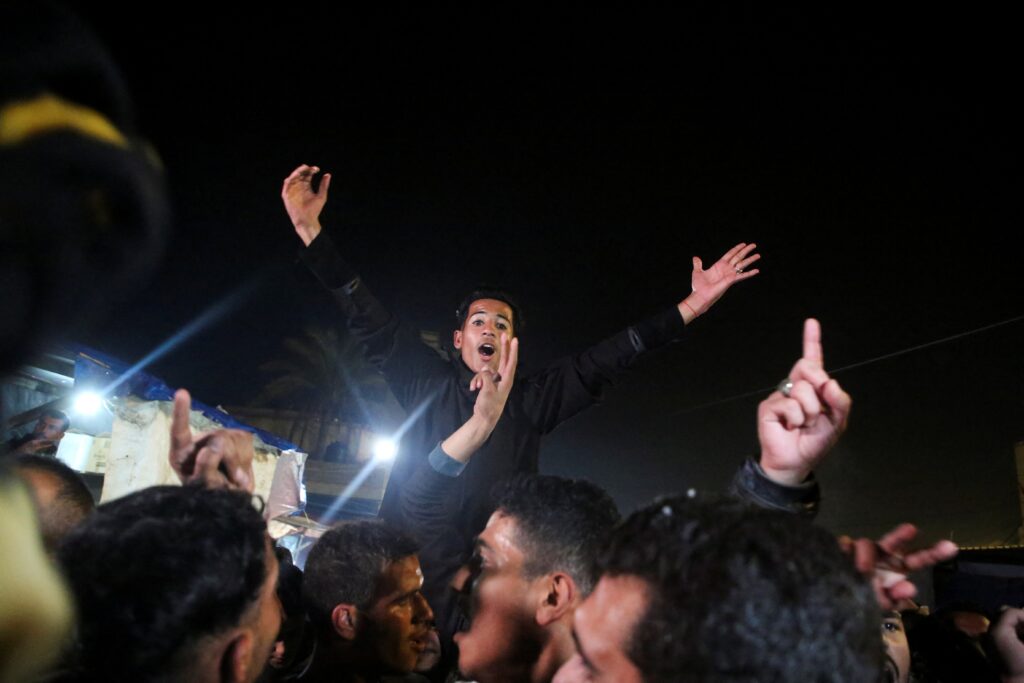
(709, 285)
(218, 459)
(796, 432)
(887, 562)
(302, 203)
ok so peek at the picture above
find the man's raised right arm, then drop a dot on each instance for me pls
(399, 353)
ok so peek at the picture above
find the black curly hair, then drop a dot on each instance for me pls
(155, 572)
(737, 593)
(561, 523)
(345, 564)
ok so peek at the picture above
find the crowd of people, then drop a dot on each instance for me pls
(479, 568)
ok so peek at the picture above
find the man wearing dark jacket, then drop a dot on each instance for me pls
(438, 389)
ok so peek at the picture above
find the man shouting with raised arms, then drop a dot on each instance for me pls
(423, 381)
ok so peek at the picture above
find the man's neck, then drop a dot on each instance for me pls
(557, 651)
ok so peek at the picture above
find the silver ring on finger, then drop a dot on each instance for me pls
(785, 387)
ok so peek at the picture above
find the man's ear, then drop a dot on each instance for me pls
(237, 658)
(344, 619)
(558, 597)
(457, 339)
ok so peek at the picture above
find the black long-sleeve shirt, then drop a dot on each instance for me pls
(422, 380)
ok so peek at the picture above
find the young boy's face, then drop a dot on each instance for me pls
(480, 336)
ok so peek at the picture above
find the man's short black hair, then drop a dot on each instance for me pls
(72, 504)
(561, 523)
(155, 572)
(58, 415)
(487, 292)
(346, 563)
(737, 593)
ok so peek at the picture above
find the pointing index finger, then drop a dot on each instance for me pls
(181, 433)
(812, 343)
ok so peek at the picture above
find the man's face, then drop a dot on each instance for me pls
(49, 428)
(504, 632)
(603, 629)
(264, 618)
(397, 626)
(480, 336)
(897, 650)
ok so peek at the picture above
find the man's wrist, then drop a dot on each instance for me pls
(308, 231)
(687, 311)
(785, 477)
(694, 306)
(752, 484)
(482, 426)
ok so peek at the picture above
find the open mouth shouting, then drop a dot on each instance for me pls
(487, 351)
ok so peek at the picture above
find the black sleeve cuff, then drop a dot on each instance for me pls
(753, 485)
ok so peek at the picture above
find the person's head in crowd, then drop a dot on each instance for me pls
(897, 649)
(532, 566)
(45, 436)
(62, 499)
(482, 316)
(717, 591)
(51, 426)
(362, 592)
(173, 584)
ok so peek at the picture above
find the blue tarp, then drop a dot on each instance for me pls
(96, 371)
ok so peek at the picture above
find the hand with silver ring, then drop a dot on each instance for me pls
(800, 421)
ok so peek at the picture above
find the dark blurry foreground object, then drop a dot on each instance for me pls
(82, 212)
(35, 614)
(82, 203)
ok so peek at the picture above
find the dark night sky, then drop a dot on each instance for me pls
(581, 159)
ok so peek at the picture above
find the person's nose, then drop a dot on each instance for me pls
(423, 611)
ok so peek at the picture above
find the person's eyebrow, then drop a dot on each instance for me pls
(892, 614)
(583, 655)
(405, 595)
(483, 311)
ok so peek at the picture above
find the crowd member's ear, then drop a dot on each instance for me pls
(344, 619)
(557, 597)
(237, 658)
(457, 339)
